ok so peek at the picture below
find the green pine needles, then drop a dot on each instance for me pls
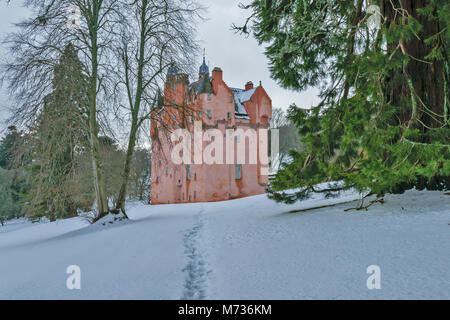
(383, 123)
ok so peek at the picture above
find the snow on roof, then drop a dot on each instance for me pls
(199, 86)
(241, 96)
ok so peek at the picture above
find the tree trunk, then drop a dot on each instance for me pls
(120, 203)
(100, 194)
(426, 78)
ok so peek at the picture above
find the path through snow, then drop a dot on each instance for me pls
(250, 248)
(196, 268)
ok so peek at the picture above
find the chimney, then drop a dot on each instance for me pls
(217, 77)
(249, 85)
(217, 74)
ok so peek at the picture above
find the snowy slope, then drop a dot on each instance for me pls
(248, 248)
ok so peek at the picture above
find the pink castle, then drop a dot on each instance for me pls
(217, 106)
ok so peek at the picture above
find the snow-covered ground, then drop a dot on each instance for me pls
(249, 248)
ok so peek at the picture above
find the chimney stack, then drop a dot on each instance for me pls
(217, 74)
(249, 85)
(217, 78)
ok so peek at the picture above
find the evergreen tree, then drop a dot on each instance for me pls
(8, 147)
(383, 123)
(8, 208)
(60, 133)
(14, 176)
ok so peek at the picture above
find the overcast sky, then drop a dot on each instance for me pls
(240, 58)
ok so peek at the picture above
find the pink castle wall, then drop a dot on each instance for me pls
(214, 182)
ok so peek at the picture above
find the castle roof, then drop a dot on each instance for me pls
(202, 85)
(240, 97)
(172, 70)
(204, 69)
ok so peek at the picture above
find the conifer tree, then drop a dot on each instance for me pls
(60, 132)
(93, 27)
(7, 145)
(382, 125)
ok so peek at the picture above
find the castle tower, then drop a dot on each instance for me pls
(220, 108)
(204, 69)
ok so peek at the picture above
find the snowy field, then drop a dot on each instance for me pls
(249, 248)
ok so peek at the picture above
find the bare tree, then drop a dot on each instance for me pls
(279, 118)
(91, 27)
(289, 139)
(140, 175)
(159, 34)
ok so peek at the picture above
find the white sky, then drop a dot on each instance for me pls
(240, 57)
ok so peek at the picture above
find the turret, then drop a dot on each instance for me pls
(204, 69)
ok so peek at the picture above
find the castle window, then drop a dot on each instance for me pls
(238, 172)
(228, 115)
(209, 113)
(188, 172)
